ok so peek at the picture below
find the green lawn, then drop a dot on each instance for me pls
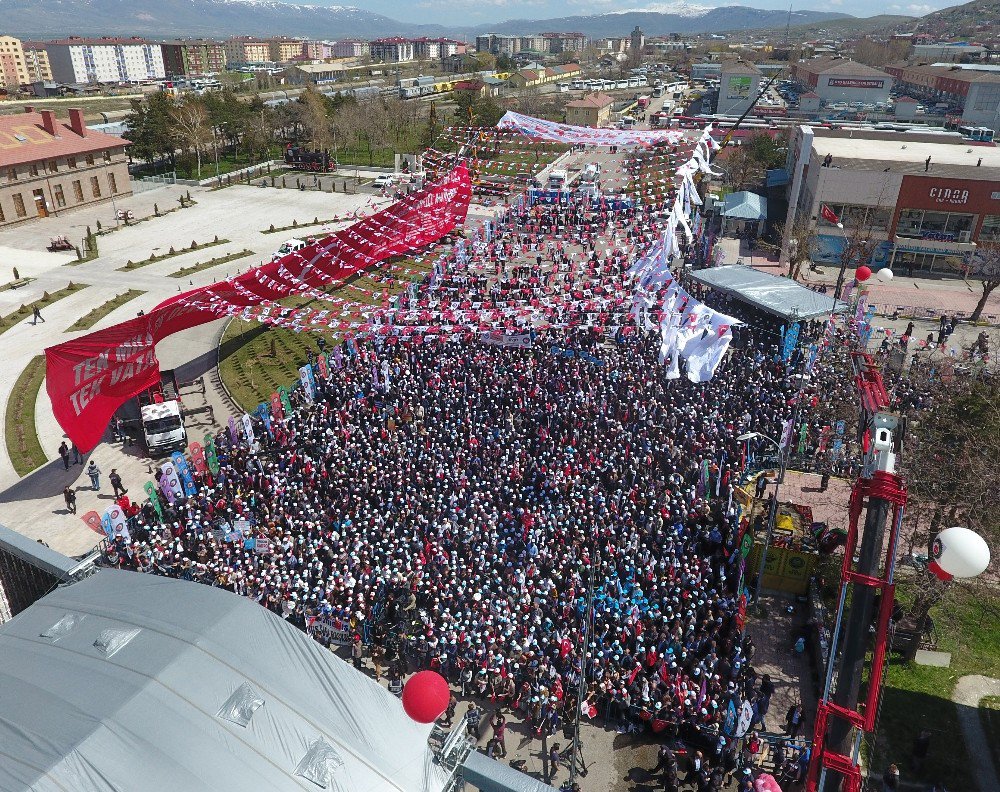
(23, 312)
(184, 272)
(187, 166)
(255, 360)
(918, 697)
(91, 318)
(23, 448)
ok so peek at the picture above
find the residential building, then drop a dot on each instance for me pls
(351, 48)
(194, 57)
(498, 44)
(243, 50)
(842, 80)
(636, 40)
(536, 44)
(104, 60)
(739, 85)
(593, 110)
(13, 69)
(666, 46)
(317, 50)
(284, 50)
(926, 199)
(972, 88)
(436, 48)
(314, 73)
(49, 166)
(565, 42)
(392, 50)
(36, 63)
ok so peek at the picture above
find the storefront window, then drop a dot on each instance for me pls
(855, 216)
(945, 226)
(991, 228)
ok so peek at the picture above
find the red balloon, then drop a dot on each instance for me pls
(425, 696)
(862, 273)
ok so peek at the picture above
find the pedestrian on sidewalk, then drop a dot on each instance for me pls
(116, 483)
(95, 475)
(77, 456)
(70, 497)
(64, 454)
(793, 720)
(36, 315)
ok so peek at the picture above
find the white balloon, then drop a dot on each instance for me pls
(884, 274)
(960, 552)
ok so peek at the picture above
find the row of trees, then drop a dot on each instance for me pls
(201, 129)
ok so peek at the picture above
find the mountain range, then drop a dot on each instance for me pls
(215, 18)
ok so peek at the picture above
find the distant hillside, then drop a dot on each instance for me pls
(841, 26)
(963, 20)
(691, 19)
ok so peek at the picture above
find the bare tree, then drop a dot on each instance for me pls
(316, 118)
(192, 130)
(795, 242)
(984, 265)
(860, 245)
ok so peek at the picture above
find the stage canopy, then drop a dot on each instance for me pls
(126, 681)
(773, 294)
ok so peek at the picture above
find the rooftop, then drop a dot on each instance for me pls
(24, 138)
(907, 153)
(598, 100)
(839, 66)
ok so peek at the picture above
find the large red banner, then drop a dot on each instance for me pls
(89, 378)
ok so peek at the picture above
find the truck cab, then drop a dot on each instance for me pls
(162, 416)
(288, 246)
(557, 179)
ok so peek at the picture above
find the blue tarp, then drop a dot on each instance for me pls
(745, 206)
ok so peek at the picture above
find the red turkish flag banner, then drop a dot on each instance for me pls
(89, 378)
(827, 214)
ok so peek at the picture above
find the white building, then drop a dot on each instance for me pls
(738, 87)
(104, 60)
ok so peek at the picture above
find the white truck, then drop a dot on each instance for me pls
(162, 416)
(557, 179)
(288, 246)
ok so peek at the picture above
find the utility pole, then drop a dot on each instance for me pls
(575, 756)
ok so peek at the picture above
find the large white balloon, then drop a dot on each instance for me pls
(885, 274)
(959, 552)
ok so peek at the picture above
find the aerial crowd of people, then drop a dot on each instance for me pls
(549, 523)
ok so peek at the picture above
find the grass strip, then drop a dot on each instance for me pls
(91, 318)
(183, 272)
(16, 284)
(153, 258)
(296, 224)
(11, 319)
(23, 448)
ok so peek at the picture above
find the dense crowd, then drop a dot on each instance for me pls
(459, 505)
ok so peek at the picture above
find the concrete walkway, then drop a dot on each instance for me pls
(967, 695)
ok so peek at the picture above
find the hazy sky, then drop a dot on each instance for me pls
(474, 12)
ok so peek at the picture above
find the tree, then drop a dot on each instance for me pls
(191, 128)
(316, 118)
(860, 245)
(795, 242)
(984, 265)
(149, 125)
(743, 169)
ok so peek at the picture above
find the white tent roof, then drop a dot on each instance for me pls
(127, 681)
(771, 293)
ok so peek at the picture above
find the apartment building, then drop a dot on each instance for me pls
(283, 50)
(564, 42)
(392, 50)
(351, 48)
(13, 69)
(36, 63)
(973, 87)
(241, 50)
(104, 60)
(51, 166)
(187, 58)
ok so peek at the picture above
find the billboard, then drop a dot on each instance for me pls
(738, 86)
(853, 82)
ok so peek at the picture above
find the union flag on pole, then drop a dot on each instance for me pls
(828, 214)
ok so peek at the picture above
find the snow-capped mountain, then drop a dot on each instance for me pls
(159, 19)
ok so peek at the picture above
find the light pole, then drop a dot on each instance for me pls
(773, 513)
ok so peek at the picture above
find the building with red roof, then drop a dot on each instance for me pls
(49, 166)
